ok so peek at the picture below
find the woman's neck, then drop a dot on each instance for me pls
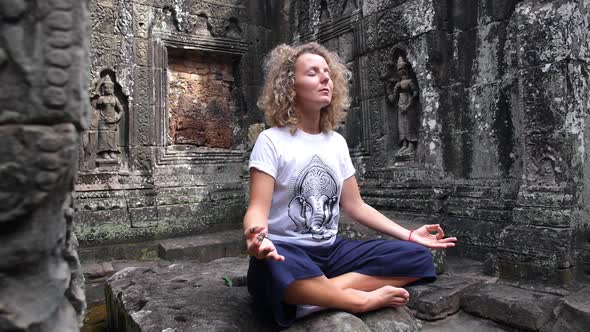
(309, 120)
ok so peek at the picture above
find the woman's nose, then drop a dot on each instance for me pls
(324, 77)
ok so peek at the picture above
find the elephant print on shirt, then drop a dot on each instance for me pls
(314, 207)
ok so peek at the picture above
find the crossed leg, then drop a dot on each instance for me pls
(353, 292)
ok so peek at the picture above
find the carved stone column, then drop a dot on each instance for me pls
(43, 106)
(550, 210)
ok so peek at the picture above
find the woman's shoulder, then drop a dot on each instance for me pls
(337, 136)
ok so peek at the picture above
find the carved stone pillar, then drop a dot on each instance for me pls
(43, 105)
(550, 210)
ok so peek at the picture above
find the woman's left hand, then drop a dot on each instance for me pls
(432, 236)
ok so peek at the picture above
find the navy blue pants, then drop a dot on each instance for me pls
(268, 280)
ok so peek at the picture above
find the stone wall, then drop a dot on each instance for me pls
(468, 113)
(490, 94)
(43, 106)
(166, 145)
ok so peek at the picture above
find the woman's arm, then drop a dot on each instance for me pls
(256, 218)
(357, 209)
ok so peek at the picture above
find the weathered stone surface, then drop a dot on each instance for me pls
(332, 321)
(26, 95)
(442, 298)
(97, 270)
(502, 146)
(394, 320)
(154, 299)
(572, 313)
(509, 305)
(136, 41)
(139, 215)
(43, 104)
(203, 248)
(463, 322)
(201, 107)
(158, 295)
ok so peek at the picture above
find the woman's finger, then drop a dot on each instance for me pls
(449, 239)
(441, 245)
(439, 232)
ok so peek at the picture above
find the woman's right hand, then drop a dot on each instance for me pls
(260, 246)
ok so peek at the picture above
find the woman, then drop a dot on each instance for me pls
(301, 175)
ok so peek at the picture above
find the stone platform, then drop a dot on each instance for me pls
(192, 286)
(191, 296)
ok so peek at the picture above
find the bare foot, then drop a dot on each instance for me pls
(387, 296)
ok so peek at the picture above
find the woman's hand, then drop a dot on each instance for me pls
(260, 246)
(432, 236)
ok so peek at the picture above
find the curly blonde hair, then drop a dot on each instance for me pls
(277, 99)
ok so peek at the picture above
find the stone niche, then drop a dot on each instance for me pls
(201, 108)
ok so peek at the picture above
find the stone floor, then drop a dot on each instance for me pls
(193, 293)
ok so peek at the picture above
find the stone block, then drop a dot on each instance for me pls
(97, 270)
(571, 314)
(391, 320)
(101, 51)
(545, 92)
(497, 10)
(543, 217)
(524, 309)
(463, 14)
(332, 321)
(374, 6)
(116, 252)
(203, 248)
(44, 87)
(94, 292)
(103, 19)
(135, 296)
(549, 32)
(474, 232)
(143, 217)
(37, 168)
(404, 22)
(545, 199)
(442, 298)
(141, 159)
(535, 239)
(346, 49)
(374, 66)
(141, 51)
(142, 20)
(143, 123)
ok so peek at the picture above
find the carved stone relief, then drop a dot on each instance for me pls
(544, 170)
(350, 6)
(101, 143)
(43, 104)
(403, 98)
(324, 11)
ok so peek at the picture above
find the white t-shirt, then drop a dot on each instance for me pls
(309, 171)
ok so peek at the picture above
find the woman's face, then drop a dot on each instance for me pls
(313, 85)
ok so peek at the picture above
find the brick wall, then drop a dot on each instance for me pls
(200, 103)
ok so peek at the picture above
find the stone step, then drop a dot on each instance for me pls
(572, 313)
(525, 309)
(441, 299)
(464, 322)
(203, 248)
